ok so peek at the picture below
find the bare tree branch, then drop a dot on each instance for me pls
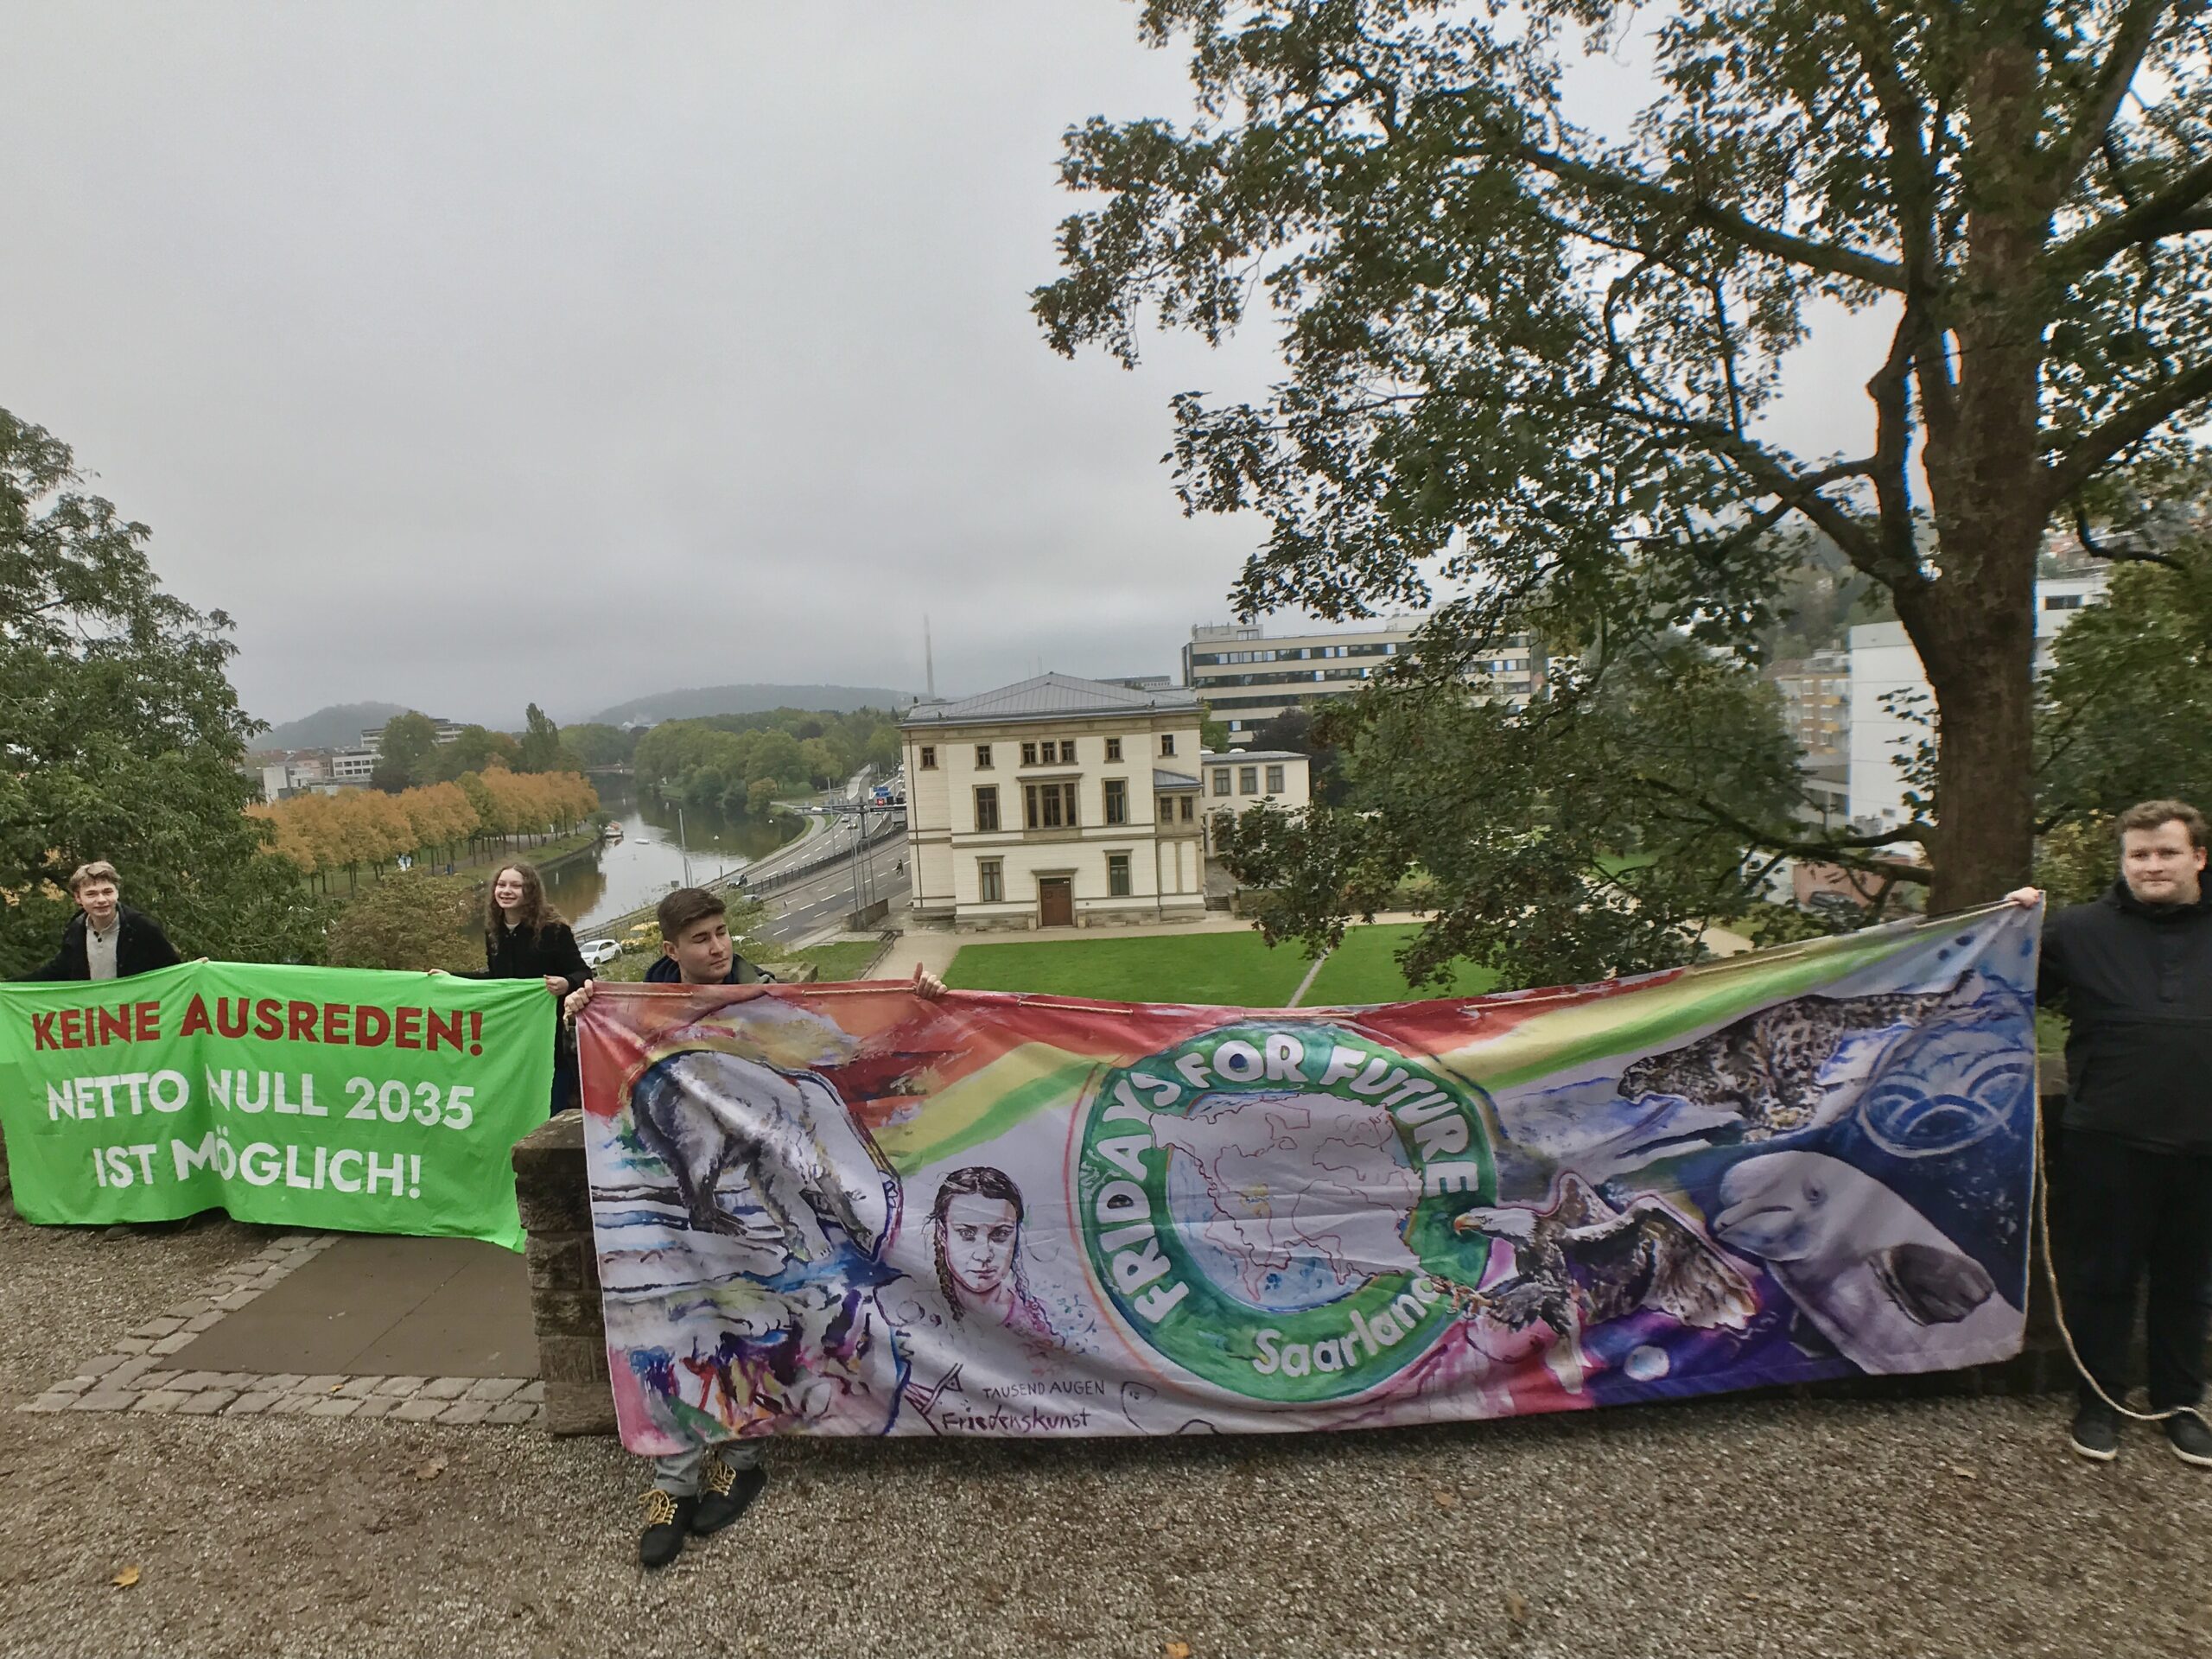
(2079, 461)
(1824, 256)
(2097, 550)
(2182, 208)
(2139, 27)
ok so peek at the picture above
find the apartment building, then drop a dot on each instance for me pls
(1883, 664)
(1241, 778)
(1245, 676)
(1057, 802)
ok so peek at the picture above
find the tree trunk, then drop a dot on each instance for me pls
(1974, 626)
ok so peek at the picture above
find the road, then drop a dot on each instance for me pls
(825, 897)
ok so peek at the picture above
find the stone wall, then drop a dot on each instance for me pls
(555, 1196)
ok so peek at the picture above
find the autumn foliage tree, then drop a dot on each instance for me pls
(324, 834)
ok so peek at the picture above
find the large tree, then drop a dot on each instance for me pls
(1528, 364)
(120, 736)
(540, 748)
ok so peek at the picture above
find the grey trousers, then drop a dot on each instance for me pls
(679, 1474)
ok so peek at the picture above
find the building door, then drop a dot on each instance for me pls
(1055, 901)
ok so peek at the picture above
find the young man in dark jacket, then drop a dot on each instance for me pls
(699, 1493)
(2132, 972)
(106, 939)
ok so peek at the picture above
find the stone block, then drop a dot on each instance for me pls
(551, 1188)
(155, 1329)
(533, 1393)
(169, 1345)
(513, 1411)
(191, 1310)
(466, 1411)
(284, 1382)
(572, 1359)
(359, 1388)
(161, 1400)
(578, 1408)
(71, 1385)
(207, 1321)
(207, 1403)
(106, 1399)
(333, 1408)
(419, 1410)
(323, 1384)
(131, 1344)
(253, 1404)
(293, 1405)
(236, 1300)
(377, 1405)
(49, 1402)
(156, 1379)
(493, 1389)
(193, 1381)
(101, 1365)
(446, 1387)
(400, 1387)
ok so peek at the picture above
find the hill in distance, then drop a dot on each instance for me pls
(697, 702)
(338, 727)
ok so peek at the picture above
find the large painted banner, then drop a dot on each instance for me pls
(315, 1098)
(848, 1211)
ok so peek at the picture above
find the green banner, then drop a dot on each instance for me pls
(311, 1097)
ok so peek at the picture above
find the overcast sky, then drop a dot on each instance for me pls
(472, 354)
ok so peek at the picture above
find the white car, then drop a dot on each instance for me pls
(599, 951)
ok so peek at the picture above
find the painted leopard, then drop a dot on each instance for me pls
(1766, 1066)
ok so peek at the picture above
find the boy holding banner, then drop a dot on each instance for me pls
(106, 939)
(698, 1492)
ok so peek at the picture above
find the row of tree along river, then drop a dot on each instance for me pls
(620, 876)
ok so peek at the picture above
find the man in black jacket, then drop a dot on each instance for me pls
(106, 939)
(2132, 972)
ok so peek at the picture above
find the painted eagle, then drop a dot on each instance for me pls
(1583, 1262)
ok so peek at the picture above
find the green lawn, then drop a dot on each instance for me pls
(1229, 968)
(1232, 968)
(1362, 971)
(845, 958)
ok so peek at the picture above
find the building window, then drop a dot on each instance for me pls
(1117, 801)
(2062, 603)
(1167, 743)
(990, 879)
(1166, 805)
(1221, 780)
(1050, 806)
(1187, 809)
(982, 757)
(1274, 781)
(986, 807)
(1113, 748)
(1067, 751)
(1029, 755)
(929, 757)
(1247, 780)
(1117, 875)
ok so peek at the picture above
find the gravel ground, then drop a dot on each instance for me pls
(1935, 1528)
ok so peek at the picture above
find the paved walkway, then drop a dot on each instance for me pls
(327, 1324)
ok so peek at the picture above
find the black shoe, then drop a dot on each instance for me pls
(725, 1493)
(2191, 1440)
(667, 1519)
(2096, 1433)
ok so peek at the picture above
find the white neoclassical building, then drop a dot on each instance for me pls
(1057, 802)
(1241, 778)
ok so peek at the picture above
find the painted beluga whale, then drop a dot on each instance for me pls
(1870, 1273)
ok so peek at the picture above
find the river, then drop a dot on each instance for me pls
(649, 860)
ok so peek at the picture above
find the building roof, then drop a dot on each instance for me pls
(1051, 697)
(1162, 781)
(1247, 756)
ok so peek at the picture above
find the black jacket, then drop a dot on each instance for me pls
(664, 972)
(2136, 981)
(515, 954)
(140, 948)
